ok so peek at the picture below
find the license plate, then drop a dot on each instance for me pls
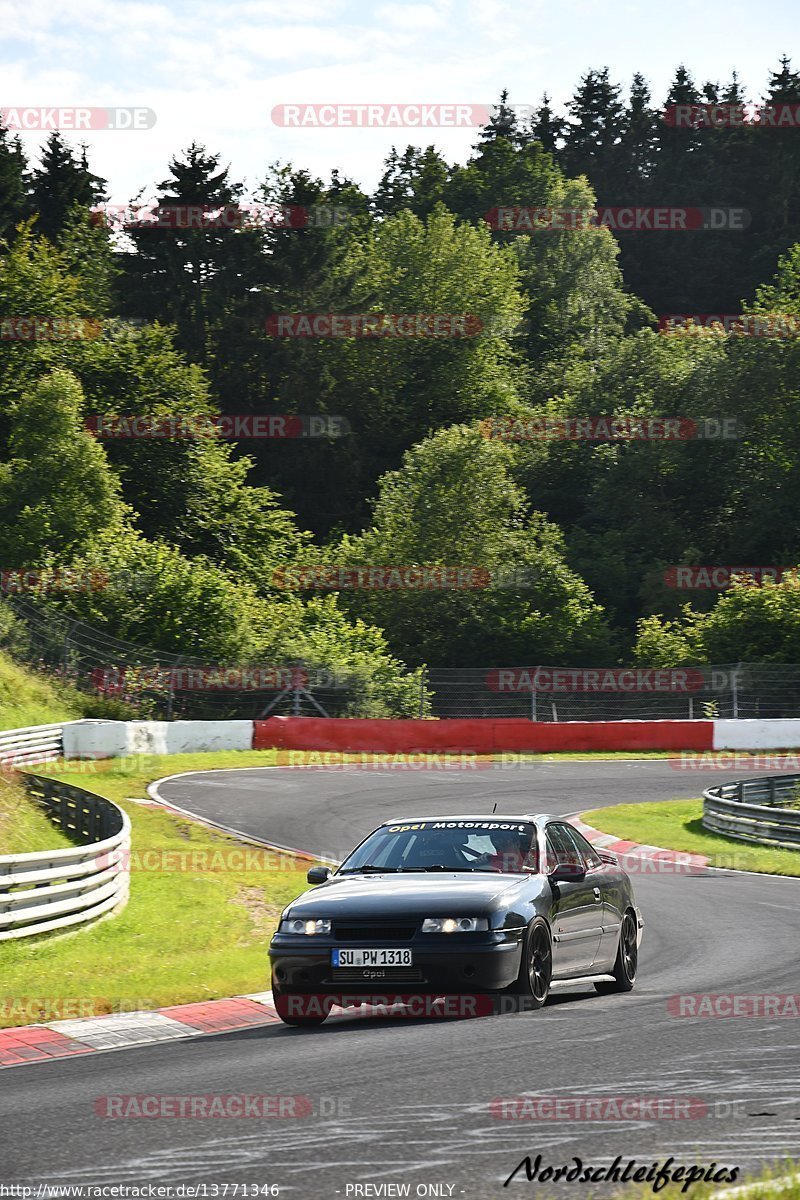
(371, 958)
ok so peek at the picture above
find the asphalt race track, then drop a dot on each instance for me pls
(409, 1102)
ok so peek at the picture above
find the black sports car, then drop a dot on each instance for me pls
(442, 906)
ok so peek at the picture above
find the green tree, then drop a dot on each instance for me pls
(415, 180)
(158, 597)
(637, 151)
(595, 131)
(454, 503)
(188, 271)
(35, 281)
(395, 389)
(14, 206)
(57, 492)
(61, 181)
(502, 124)
(750, 623)
(546, 128)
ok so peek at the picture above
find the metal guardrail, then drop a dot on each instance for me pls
(54, 889)
(33, 744)
(754, 810)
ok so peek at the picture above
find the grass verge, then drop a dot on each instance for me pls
(24, 827)
(30, 699)
(677, 825)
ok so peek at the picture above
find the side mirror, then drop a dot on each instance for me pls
(567, 873)
(318, 874)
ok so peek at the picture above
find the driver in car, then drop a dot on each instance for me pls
(510, 852)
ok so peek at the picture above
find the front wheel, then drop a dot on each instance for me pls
(300, 1011)
(626, 962)
(532, 986)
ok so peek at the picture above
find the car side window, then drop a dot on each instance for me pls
(562, 850)
(586, 850)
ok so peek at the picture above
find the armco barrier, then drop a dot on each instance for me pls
(33, 744)
(751, 810)
(54, 889)
(477, 736)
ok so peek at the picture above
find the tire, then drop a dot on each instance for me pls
(300, 1021)
(532, 986)
(627, 960)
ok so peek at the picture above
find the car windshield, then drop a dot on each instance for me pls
(506, 847)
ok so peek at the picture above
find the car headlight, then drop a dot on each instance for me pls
(298, 925)
(454, 924)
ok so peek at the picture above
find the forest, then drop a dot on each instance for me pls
(372, 432)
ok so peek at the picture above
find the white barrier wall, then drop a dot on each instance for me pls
(757, 735)
(116, 739)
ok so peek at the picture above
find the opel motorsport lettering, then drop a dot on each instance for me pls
(467, 909)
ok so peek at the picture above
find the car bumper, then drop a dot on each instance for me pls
(438, 969)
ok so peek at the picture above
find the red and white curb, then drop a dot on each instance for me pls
(639, 858)
(122, 1031)
(119, 1031)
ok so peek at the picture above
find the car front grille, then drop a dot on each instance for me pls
(373, 933)
(377, 975)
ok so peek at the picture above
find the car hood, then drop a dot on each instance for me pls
(419, 894)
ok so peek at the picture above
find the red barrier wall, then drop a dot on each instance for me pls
(477, 736)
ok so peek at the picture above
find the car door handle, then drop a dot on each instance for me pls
(597, 893)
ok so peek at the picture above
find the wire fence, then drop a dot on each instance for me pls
(125, 678)
(545, 693)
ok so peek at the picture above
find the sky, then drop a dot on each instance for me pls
(214, 73)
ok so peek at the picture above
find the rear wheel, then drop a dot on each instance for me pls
(627, 960)
(532, 985)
